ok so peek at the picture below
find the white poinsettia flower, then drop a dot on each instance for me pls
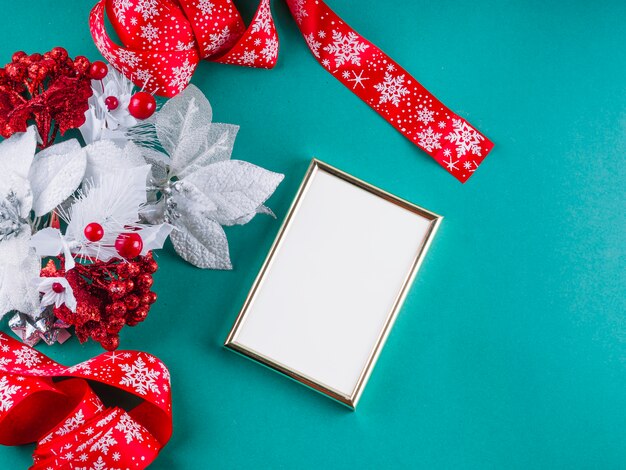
(56, 291)
(108, 119)
(18, 263)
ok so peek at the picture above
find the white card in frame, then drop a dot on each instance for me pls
(333, 283)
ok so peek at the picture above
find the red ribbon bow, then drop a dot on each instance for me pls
(165, 40)
(69, 422)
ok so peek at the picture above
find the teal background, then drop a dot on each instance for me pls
(510, 351)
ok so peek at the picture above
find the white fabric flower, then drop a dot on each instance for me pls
(102, 122)
(56, 291)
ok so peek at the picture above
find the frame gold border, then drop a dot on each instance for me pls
(348, 400)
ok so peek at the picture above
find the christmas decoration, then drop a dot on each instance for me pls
(135, 182)
(44, 89)
(68, 420)
(163, 41)
(197, 188)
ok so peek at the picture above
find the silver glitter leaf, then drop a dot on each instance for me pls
(236, 187)
(201, 242)
(182, 125)
(55, 174)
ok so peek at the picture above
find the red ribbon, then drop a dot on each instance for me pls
(165, 40)
(72, 427)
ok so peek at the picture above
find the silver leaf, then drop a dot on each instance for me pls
(260, 210)
(217, 146)
(236, 187)
(182, 125)
(55, 174)
(201, 242)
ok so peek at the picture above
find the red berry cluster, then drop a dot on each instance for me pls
(109, 295)
(44, 89)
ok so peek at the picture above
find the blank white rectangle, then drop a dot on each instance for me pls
(329, 291)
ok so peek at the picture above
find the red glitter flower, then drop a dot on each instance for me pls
(51, 90)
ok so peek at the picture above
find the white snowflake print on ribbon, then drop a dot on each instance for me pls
(26, 356)
(392, 89)
(142, 76)
(263, 20)
(147, 8)
(166, 372)
(357, 79)
(72, 423)
(429, 139)
(104, 443)
(450, 163)
(346, 48)
(120, 7)
(248, 57)
(83, 368)
(299, 11)
(465, 138)
(139, 377)
(181, 46)
(425, 115)
(102, 46)
(313, 44)
(470, 166)
(127, 57)
(270, 51)
(149, 32)
(182, 75)
(217, 40)
(130, 428)
(206, 7)
(6, 394)
(4, 362)
(97, 465)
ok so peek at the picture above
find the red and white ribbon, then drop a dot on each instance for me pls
(165, 39)
(72, 427)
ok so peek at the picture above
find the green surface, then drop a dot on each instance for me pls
(510, 351)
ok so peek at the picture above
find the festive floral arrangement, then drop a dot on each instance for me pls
(79, 222)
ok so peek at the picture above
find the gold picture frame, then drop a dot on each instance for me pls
(351, 398)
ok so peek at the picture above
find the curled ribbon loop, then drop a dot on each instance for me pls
(72, 427)
(165, 39)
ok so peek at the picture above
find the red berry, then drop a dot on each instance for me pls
(58, 287)
(114, 325)
(118, 309)
(129, 245)
(94, 232)
(144, 282)
(17, 56)
(98, 70)
(58, 53)
(142, 105)
(117, 289)
(111, 102)
(82, 64)
(133, 269)
(150, 265)
(141, 313)
(110, 342)
(148, 298)
(132, 302)
(16, 72)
